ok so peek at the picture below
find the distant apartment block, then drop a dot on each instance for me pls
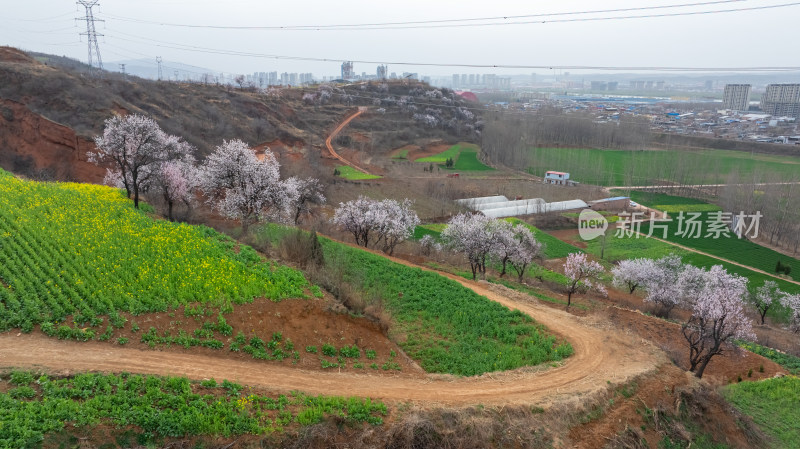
(347, 70)
(736, 97)
(781, 100)
(382, 72)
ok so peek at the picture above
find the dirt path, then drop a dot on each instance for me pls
(602, 354)
(336, 131)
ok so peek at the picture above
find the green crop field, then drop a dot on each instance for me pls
(83, 250)
(468, 160)
(448, 328)
(624, 167)
(728, 247)
(449, 153)
(147, 408)
(620, 248)
(432, 229)
(348, 172)
(772, 403)
(553, 247)
(788, 361)
(465, 156)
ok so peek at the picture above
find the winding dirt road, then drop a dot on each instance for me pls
(336, 131)
(602, 354)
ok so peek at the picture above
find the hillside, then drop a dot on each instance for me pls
(50, 107)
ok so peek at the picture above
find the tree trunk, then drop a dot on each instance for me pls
(169, 210)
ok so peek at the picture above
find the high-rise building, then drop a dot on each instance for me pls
(456, 80)
(736, 97)
(382, 72)
(781, 100)
(347, 70)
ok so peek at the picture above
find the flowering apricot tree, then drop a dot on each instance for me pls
(718, 316)
(582, 275)
(239, 185)
(132, 144)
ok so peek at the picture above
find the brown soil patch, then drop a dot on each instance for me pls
(10, 54)
(669, 392)
(36, 145)
(304, 322)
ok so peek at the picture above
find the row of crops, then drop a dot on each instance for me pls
(447, 327)
(80, 249)
(34, 406)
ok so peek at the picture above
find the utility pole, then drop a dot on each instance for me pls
(91, 33)
(158, 60)
(176, 76)
(122, 69)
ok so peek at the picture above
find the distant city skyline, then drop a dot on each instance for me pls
(195, 33)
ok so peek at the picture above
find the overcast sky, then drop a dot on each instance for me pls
(736, 39)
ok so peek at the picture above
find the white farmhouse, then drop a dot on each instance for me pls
(558, 178)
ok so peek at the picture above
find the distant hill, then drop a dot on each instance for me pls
(51, 107)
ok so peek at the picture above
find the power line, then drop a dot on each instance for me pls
(198, 49)
(91, 33)
(424, 23)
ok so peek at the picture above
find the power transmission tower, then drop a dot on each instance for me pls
(158, 60)
(122, 69)
(91, 33)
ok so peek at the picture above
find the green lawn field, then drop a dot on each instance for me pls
(625, 167)
(347, 172)
(465, 156)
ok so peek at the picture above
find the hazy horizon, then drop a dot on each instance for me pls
(187, 32)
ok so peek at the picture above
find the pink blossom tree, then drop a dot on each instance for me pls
(133, 145)
(632, 273)
(583, 274)
(717, 316)
(300, 194)
(474, 236)
(175, 179)
(765, 297)
(239, 185)
(177, 182)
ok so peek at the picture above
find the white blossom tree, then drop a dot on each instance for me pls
(474, 236)
(792, 302)
(505, 244)
(717, 316)
(765, 297)
(582, 275)
(239, 185)
(385, 223)
(395, 223)
(356, 217)
(661, 282)
(632, 273)
(300, 194)
(526, 250)
(133, 145)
